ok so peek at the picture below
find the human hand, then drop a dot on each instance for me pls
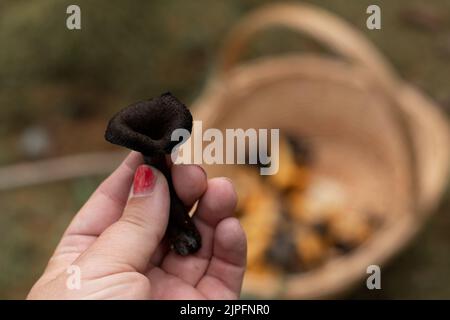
(116, 240)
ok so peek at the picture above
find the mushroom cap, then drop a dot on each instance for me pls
(147, 126)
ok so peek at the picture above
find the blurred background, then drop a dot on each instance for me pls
(58, 89)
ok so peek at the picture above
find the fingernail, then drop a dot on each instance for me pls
(144, 181)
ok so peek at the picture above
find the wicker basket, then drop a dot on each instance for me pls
(381, 138)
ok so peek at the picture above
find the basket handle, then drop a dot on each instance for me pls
(320, 25)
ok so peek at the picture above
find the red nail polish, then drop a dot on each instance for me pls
(144, 180)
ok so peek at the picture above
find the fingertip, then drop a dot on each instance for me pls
(228, 186)
(134, 159)
(225, 196)
(147, 181)
(229, 260)
(190, 182)
(231, 241)
(218, 202)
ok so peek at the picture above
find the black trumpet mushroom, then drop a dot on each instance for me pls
(147, 127)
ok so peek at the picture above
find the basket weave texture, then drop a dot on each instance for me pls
(378, 136)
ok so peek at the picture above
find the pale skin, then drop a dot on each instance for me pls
(116, 240)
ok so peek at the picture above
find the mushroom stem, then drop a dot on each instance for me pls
(182, 233)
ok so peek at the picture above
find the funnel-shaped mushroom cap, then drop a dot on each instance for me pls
(147, 126)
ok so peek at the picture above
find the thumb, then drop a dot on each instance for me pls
(132, 240)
